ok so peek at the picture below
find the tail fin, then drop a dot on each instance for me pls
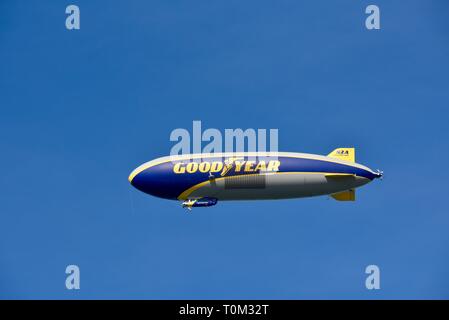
(344, 196)
(347, 154)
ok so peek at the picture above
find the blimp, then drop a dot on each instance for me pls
(203, 180)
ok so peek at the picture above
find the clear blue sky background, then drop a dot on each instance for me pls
(80, 109)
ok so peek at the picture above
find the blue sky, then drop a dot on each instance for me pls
(81, 109)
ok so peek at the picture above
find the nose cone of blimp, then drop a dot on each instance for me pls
(138, 180)
(156, 180)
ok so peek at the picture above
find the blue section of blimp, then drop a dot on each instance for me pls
(289, 164)
(161, 181)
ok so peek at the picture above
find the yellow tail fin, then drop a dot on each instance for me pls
(344, 196)
(347, 154)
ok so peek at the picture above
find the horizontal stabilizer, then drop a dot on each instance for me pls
(347, 154)
(344, 196)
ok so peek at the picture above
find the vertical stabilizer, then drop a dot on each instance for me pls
(347, 154)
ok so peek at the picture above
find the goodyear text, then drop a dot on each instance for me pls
(225, 167)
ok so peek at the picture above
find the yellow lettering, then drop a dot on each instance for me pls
(216, 166)
(192, 167)
(249, 166)
(261, 166)
(273, 165)
(179, 168)
(238, 165)
(204, 166)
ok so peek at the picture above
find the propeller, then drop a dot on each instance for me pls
(380, 174)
